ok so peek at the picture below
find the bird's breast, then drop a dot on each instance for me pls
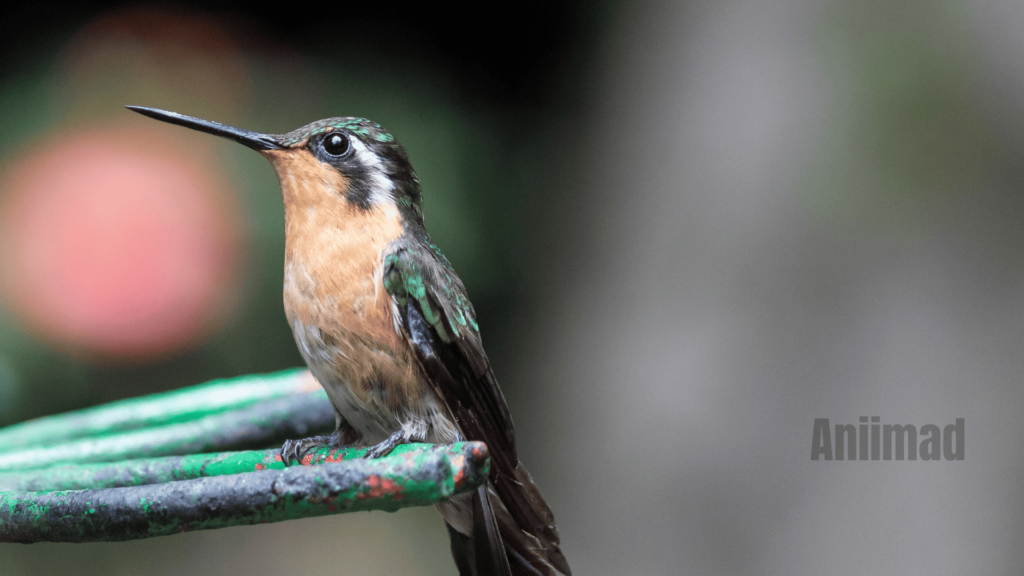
(334, 252)
(339, 311)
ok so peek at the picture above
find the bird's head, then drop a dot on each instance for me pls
(336, 164)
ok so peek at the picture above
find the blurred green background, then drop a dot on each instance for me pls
(688, 228)
(107, 296)
(457, 96)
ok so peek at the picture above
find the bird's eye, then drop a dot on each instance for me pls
(336, 144)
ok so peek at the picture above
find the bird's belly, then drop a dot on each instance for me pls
(375, 390)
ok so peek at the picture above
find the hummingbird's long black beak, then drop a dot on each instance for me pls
(253, 140)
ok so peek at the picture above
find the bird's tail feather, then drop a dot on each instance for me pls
(528, 551)
(481, 552)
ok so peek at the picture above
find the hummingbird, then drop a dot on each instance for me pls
(385, 325)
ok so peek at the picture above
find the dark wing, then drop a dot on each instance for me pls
(436, 316)
(438, 319)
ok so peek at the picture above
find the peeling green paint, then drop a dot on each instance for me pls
(261, 424)
(333, 481)
(172, 407)
(108, 486)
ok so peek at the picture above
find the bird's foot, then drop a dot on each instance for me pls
(385, 447)
(296, 449)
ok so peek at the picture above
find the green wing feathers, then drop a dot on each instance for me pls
(440, 323)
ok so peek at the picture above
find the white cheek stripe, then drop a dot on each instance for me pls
(380, 185)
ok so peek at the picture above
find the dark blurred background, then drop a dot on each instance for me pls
(689, 229)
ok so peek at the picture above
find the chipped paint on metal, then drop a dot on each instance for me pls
(416, 476)
(181, 405)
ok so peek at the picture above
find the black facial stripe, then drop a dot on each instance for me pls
(358, 176)
(359, 184)
(393, 163)
(396, 164)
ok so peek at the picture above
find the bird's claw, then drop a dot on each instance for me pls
(377, 451)
(384, 448)
(296, 449)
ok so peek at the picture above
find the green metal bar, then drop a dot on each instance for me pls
(129, 470)
(173, 468)
(259, 425)
(157, 409)
(138, 472)
(413, 478)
